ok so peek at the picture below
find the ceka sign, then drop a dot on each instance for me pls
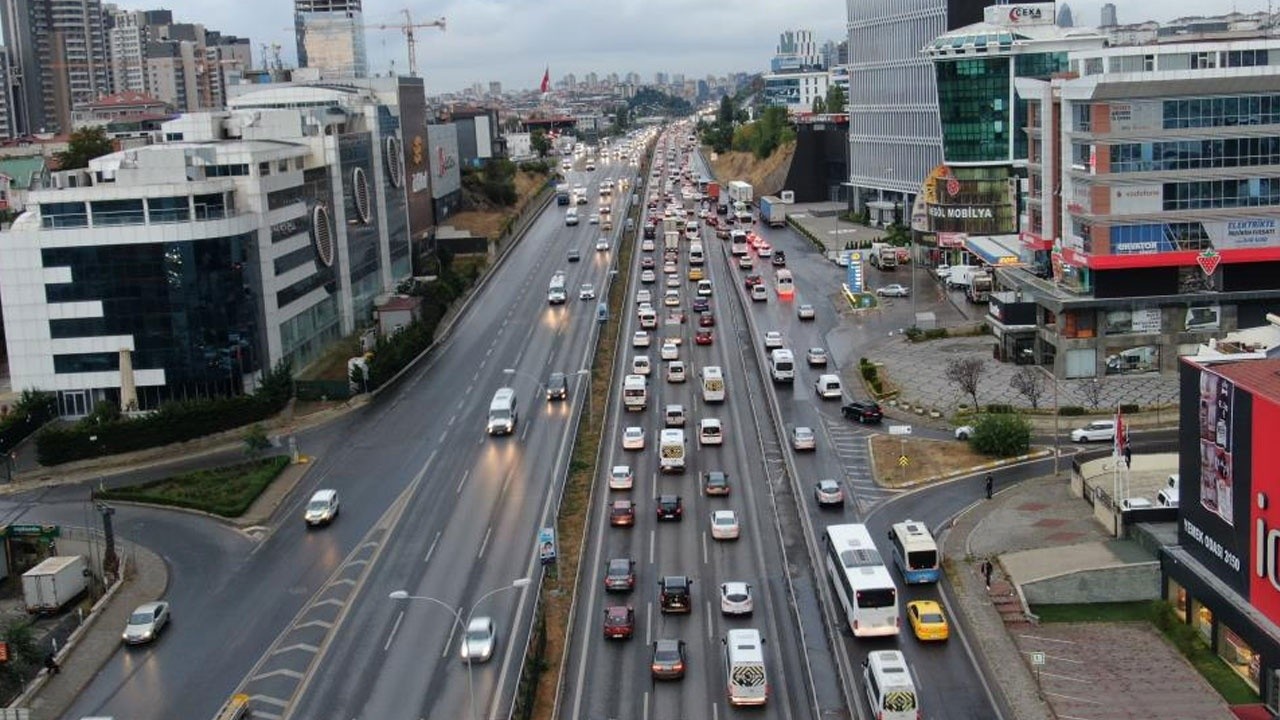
(1208, 261)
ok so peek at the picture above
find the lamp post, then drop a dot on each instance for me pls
(457, 619)
(1057, 419)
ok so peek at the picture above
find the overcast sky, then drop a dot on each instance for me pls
(512, 41)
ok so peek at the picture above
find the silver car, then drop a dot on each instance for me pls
(479, 640)
(802, 438)
(828, 492)
(816, 356)
(735, 599)
(145, 623)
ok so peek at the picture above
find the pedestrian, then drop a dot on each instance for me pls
(986, 573)
(990, 485)
(51, 664)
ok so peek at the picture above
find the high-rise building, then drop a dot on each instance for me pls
(894, 137)
(331, 37)
(1108, 15)
(58, 58)
(659, 78)
(1065, 20)
(796, 51)
(6, 100)
(495, 88)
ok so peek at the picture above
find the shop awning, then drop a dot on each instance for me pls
(996, 250)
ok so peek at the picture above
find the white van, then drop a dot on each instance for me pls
(648, 318)
(890, 689)
(744, 667)
(571, 216)
(640, 365)
(712, 383)
(782, 365)
(828, 387)
(671, 450)
(696, 254)
(635, 392)
(502, 412)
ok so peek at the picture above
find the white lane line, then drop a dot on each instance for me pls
(648, 623)
(452, 419)
(432, 549)
(706, 558)
(485, 543)
(644, 711)
(710, 629)
(652, 543)
(453, 628)
(462, 482)
(386, 646)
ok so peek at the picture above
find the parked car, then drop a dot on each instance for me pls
(1098, 430)
(864, 412)
(964, 432)
(894, 290)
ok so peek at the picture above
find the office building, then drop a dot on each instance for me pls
(58, 60)
(1108, 18)
(1065, 19)
(796, 52)
(894, 137)
(248, 237)
(795, 91)
(6, 96)
(1152, 205)
(331, 38)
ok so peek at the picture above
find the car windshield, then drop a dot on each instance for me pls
(140, 618)
(317, 506)
(619, 567)
(735, 596)
(478, 634)
(932, 618)
(724, 520)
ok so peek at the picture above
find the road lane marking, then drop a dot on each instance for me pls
(648, 623)
(485, 543)
(462, 481)
(432, 549)
(394, 629)
(710, 628)
(705, 556)
(652, 542)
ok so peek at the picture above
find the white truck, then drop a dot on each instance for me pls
(884, 256)
(52, 584)
(980, 286)
(740, 191)
(671, 240)
(959, 276)
(671, 450)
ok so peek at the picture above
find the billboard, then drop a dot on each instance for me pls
(1264, 511)
(417, 172)
(1136, 199)
(1241, 234)
(442, 143)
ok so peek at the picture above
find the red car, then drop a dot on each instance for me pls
(619, 622)
(706, 320)
(751, 280)
(702, 337)
(713, 221)
(622, 513)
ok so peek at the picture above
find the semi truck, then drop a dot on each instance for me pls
(884, 256)
(49, 586)
(562, 194)
(713, 191)
(772, 211)
(740, 191)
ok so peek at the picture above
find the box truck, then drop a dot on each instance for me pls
(49, 586)
(772, 211)
(740, 191)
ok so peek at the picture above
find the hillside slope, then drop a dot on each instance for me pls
(767, 176)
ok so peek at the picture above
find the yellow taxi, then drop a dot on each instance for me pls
(695, 274)
(927, 620)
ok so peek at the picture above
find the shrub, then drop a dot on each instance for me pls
(999, 409)
(1003, 435)
(1129, 408)
(1070, 410)
(227, 491)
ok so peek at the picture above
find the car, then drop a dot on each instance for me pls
(647, 244)
(706, 319)
(927, 620)
(671, 298)
(751, 281)
(1098, 430)
(805, 311)
(594, 219)
(668, 661)
(772, 339)
(722, 209)
(696, 274)
(816, 356)
(865, 412)
(673, 415)
(640, 339)
(710, 432)
(557, 386)
(942, 271)
(620, 575)
(724, 230)
(633, 438)
(779, 259)
(964, 432)
(724, 525)
(574, 256)
(828, 493)
(602, 244)
(670, 507)
(647, 262)
(587, 292)
(894, 290)
(643, 296)
(703, 336)
(759, 293)
(802, 438)
(746, 263)
(479, 640)
(715, 482)
(621, 478)
(669, 351)
(322, 508)
(701, 303)
(828, 387)
(673, 281)
(622, 513)
(675, 594)
(648, 276)
(669, 267)
(619, 622)
(735, 598)
(764, 249)
(676, 372)
(591, 167)
(145, 623)
(703, 213)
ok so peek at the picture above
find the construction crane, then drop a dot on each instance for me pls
(407, 27)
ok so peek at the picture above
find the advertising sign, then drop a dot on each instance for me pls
(1136, 199)
(1217, 407)
(1140, 240)
(853, 272)
(1138, 115)
(1264, 511)
(1020, 15)
(446, 176)
(951, 239)
(1240, 234)
(1204, 317)
(1145, 320)
(413, 118)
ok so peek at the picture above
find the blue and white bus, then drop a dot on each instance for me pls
(915, 552)
(863, 584)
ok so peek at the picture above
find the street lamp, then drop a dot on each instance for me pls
(1057, 418)
(457, 619)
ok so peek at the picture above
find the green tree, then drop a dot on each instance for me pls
(726, 114)
(255, 440)
(540, 142)
(819, 106)
(620, 119)
(84, 145)
(836, 99)
(1001, 435)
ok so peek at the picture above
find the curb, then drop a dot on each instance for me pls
(994, 464)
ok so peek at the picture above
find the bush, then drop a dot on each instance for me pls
(1070, 410)
(999, 409)
(1003, 435)
(226, 491)
(1129, 408)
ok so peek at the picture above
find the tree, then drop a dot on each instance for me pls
(1001, 435)
(725, 115)
(85, 144)
(1028, 383)
(819, 106)
(255, 440)
(1091, 389)
(620, 120)
(836, 100)
(540, 142)
(966, 372)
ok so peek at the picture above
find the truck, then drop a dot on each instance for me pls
(671, 450)
(980, 286)
(742, 213)
(959, 276)
(772, 211)
(740, 191)
(713, 191)
(671, 223)
(49, 586)
(671, 240)
(884, 256)
(562, 194)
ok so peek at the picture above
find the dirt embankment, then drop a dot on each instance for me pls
(490, 222)
(766, 176)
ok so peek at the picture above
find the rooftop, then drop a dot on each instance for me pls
(1260, 377)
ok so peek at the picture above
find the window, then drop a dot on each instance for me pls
(1082, 117)
(169, 209)
(226, 170)
(285, 197)
(59, 215)
(117, 212)
(173, 137)
(264, 169)
(297, 258)
(211, 206)
(86, 362)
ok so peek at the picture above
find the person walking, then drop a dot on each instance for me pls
(986, 573)
(991, 481)
(51, 664)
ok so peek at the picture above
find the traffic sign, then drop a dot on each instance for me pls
(899, 429)
(1037, 658)
(903, 461)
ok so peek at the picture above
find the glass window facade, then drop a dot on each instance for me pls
(363, 242)
(304, 336)
(297, 258)
(108, 213)
(1221, 111)
(212, 206)
(1202, 194)
(397, 229)
(1195, 154)
(973, 105)
(58, 215)
(190, 308)
(169, 209)
(1164, 237)
(1032, 65)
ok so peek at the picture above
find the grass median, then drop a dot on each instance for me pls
(225, 491)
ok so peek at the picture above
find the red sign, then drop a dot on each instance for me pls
(953, 186)
(1208, 261)
(1264, 511)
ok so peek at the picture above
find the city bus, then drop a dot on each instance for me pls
(914, 551)
(785, 283)
(862, 582)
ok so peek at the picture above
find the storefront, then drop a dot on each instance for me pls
(1239, 635)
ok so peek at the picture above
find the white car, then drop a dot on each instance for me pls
(587, 292)
(802, 438)
(735, 599)
(479, 640)
(673, 281)
(764, 250)
(772, 339)
(828, 386)
(805, 311)
(724, 525)
(1098, 430)
(676, 372)
(620, 478)
(816, 356)
(594, 219)
(633, 438)
(669, 268)
(671, 298)
(640, 339)
(759, 293)
(602, 244)
(648, 276)
(942, 271)
(894, 290)
(710, 432)
(643, 296)
(963, 432)
(745, 262)
(646, 245)
(670, 351)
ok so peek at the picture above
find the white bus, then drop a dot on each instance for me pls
(914, 551)
(785, 283)
(744, 666)
(635, 392)
(671, 450)
(863, 585)
(712, 384)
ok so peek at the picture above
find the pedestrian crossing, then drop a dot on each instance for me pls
(852, 445)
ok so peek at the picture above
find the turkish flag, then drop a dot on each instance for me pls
(546, 80)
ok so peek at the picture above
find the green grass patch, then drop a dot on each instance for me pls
(1094, 612)
(227, 491)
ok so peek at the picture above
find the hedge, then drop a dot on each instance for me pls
(999, 409)
(227, 491)
(1070, 410)
(1129, 408)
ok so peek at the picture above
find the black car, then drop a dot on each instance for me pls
(574, 256)
(675, 594)
(670, 507)
(779, 258)
(650, 230)
(668, 660)
(863, 412)
(722, 209)
(701, 304)
(557, 386)
(620, 575)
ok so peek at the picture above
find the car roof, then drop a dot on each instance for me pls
(618, 611)
(480, 623)
(150, 606)
(622, 503)
(926, 605)
(324, 494)
(723, 514)
(734, 585)
(828, 482)
(620, 562)
(667, 498)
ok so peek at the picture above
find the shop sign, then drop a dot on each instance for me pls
(952, 239)
(1142, 321)
(962, 212)
(1264, 511)
(1136, 199)
(1141, 246)
(1240, 234)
